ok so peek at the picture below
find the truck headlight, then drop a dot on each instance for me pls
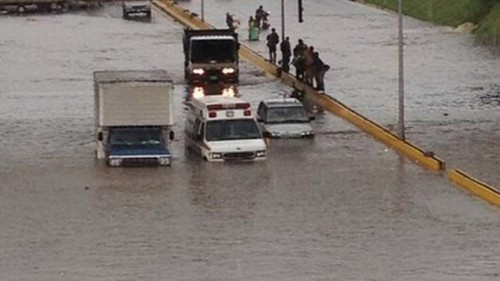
(215, 155)
(164, 161)
(115, 162)
(228, 70)
(198, 92)
(228, 92)
(260, 153)
(308, 133)
(198, 71)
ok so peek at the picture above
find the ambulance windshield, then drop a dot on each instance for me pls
(235, 129)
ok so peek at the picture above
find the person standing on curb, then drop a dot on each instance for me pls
(320, 70)
(286, 53)
(272, 41)
(259, 14)
(298, 59)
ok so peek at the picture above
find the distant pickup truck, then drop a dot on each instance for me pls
(139, 8)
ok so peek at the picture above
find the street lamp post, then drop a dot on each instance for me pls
(401, 125)
(202, 10)
(282, 20)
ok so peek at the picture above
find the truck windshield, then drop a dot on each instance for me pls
(291, 114)
(135, 136)
(204, 51)
(237, 129)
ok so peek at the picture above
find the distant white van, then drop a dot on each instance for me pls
(223, 128)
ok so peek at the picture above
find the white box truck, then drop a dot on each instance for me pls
(134, 117)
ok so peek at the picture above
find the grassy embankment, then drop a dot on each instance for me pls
(484, 13)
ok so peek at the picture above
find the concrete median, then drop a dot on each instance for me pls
(475, 186)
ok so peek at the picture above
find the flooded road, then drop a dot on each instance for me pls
(452, 88)
(339, 207)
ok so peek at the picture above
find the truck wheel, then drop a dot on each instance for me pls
(20, 10)
(63, 7)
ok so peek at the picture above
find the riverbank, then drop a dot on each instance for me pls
(485, 14)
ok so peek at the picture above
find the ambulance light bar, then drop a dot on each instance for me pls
(243, 105)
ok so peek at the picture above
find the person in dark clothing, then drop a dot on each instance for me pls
(259, 15)
(286, 53)
(298, 59)
(320, 69)
(300, 48)
(230, 21)
(272, 41)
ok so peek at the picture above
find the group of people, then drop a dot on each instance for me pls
(260, 20)
(309, 67)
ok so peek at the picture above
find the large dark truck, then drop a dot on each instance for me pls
(211, 56)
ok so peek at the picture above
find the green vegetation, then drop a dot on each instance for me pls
(489, 30)
(485, 13)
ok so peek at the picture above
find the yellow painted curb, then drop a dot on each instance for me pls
(422, 158)
(475, 186)
(182, 15)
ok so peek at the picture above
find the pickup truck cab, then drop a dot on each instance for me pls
(133, 146)
(284, 118)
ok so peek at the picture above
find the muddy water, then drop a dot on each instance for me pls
(452, 93)
(341, 206)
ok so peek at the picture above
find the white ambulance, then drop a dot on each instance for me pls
(223, 128)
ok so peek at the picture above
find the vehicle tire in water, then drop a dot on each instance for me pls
(20, 10)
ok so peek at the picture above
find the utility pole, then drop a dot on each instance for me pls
(401, 125)
(301, 9)
(202, 10)
(282, 20)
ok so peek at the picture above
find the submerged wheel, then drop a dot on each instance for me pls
(20, 10)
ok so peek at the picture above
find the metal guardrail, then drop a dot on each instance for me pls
(425, 159)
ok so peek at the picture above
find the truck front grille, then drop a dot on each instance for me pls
(150, 161)
(239, 156)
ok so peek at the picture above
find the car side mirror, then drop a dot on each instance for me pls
(100, 136)
(171, 135)
(311, 118)
(266, 134)
(260, 120)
